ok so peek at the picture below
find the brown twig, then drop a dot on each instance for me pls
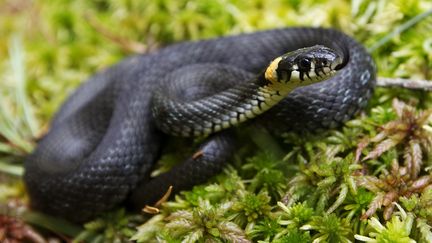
(425, 85)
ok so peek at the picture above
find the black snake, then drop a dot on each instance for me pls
(104, 141)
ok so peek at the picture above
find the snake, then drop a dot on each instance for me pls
(105, 139)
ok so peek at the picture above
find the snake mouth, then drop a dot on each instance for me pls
(338, 64)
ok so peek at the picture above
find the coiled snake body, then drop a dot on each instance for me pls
(104, 140)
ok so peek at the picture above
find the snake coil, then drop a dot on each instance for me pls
(104, 141)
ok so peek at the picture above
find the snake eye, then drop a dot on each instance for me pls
(304, 64)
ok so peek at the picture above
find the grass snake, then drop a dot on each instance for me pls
(105, 139)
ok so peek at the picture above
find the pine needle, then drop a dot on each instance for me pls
(17, 63)
(11, 169)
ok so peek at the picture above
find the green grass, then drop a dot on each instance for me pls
(307, 188)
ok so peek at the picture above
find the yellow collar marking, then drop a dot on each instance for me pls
(270, 73)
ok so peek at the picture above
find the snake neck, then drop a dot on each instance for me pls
(263, 95)
(220, 111)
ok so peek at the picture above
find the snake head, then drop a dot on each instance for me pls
(304, 66)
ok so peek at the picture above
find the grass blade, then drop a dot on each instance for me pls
(405, 26)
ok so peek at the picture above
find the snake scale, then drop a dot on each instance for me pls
(105, 139)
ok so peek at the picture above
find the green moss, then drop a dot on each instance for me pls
(294, 236)
(397, 230)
